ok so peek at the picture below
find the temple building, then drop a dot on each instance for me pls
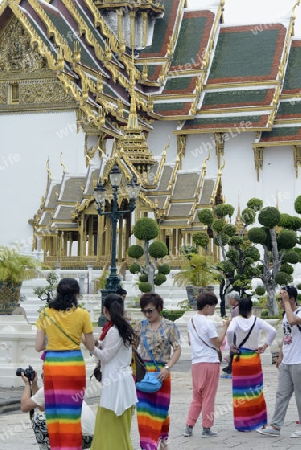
(197, 111)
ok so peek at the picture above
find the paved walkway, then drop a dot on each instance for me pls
(15, 431)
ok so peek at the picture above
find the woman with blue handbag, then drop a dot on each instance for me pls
(160, 349)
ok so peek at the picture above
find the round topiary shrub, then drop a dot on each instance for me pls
(235, 241)
(160, 278)
(226, 267)
(233, 255)
(287, 239)
(201, 238)
(158, 249)
(296, 225)
(146, 229)
(252, 252)
(282, 278)
(230, 230)
(248, 216)
(205, 216)
(135, 251)
(257, 235)
(269, 217)
(260, 290)
(286, 221)
(255, 204)
(297, 204)
(218, 225)
(145, 287)
(287, 268)
(224, 210)
(164, 268)
(291, 257)
(134, 268)
(143, 277)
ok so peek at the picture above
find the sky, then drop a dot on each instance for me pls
(255, 11)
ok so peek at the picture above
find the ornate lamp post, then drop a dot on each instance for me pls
(113, 281)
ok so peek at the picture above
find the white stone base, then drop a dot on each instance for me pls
(17, 350)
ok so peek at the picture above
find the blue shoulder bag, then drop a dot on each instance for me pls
(150, 383)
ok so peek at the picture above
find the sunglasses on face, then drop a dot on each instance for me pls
(147, 311)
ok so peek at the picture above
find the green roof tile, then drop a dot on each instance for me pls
(188, 42)
(237, 98)
(279, 132)
(177, 106)
(292, 80)
(178, 84)
(289, 108)
(244, 54)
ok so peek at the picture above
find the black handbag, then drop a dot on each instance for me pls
(97, 374)
(140, 366)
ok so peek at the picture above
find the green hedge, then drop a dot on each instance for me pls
(172, 314)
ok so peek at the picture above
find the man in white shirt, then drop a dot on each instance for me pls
(33, 401)
(289, 363)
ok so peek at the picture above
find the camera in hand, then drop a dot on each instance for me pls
(29, 373)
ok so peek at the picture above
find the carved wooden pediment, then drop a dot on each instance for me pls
(16, 52)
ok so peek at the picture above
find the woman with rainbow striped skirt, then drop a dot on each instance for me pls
(162, 336)
(249, 405)
(62, 324)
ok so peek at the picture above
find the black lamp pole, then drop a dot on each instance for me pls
(113, 281)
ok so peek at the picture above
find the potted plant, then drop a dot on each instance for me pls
(197, 275)
(15, 268)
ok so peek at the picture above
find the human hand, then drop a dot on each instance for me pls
(278, 361)
(261, 349)
(284, 295)
(24, 378)
(226, 322)
(163, 374)
(234, 349)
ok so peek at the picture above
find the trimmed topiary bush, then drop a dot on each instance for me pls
(282, 278)
(260, 290)
(160, 278)
(205, 216)
(134, 268)
(143, 277)
(145, 287)
(146, 229)
(164, 268)
(201, 238)
(258, 235)
(248, 216)
(158, 249)
(269, 217)
(135, 251)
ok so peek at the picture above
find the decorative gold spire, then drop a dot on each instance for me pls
(62, 164)
(238, 220)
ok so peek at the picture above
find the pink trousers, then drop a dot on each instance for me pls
(204, 382)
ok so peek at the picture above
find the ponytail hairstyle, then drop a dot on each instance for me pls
(67, 292)
(245, 307)
(114, 305)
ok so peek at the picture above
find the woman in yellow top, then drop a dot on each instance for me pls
(62, 325)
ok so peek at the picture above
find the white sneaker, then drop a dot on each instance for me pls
(296, 434)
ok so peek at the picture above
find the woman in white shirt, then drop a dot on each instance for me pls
(114, 415)
(249, 405)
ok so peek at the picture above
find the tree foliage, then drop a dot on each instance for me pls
(146, 229)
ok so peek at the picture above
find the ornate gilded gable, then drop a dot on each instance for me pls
(26, 82)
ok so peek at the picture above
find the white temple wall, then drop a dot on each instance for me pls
(26, 142)
(197, 148)
(158, 140)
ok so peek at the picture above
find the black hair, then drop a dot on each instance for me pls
(291, 290)
(245, 307)
(206, 298)
(121, 291)
(151, 297)
(67, 291)
(114, 305)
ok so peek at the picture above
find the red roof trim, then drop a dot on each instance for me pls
(261, 123)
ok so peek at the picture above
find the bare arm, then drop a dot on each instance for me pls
(27, 404)
(89, 341)
(40, 340)
(217, 342)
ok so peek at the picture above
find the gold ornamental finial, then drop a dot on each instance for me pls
(48, 169)
(61, 162)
